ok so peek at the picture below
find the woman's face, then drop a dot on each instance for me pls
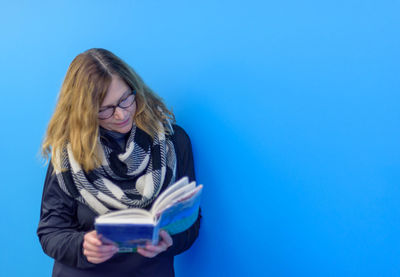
(122, 119)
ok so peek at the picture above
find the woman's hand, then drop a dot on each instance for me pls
(95, 250)
(150, 251)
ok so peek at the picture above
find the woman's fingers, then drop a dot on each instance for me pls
(94, 250)
(161, 247)
(146, 253)
(151, 251)
(97, 260)
(105, 248)
(100, 252)
(166, 238)
(92, 238)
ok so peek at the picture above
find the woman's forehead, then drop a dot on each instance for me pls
(117, 89)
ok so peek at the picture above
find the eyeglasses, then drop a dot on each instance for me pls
(124, 103)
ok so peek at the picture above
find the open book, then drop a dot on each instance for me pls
(175, 210)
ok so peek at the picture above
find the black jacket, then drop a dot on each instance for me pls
(64, 221)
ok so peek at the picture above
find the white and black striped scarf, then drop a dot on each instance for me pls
(132, 177)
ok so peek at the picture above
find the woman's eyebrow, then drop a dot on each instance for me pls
(126, 93)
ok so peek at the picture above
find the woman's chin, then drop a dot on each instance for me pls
(124, 129)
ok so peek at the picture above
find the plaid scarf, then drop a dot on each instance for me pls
(130, 177)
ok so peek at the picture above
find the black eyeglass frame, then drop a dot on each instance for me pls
(119, 105)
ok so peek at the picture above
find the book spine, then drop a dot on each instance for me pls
(156, 233)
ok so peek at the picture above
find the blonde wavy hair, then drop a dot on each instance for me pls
(75, 119)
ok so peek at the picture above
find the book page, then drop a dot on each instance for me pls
(182, 198)
(168, 199)
(177, 185)
(178, 196)
(126, 216)
(182, 214)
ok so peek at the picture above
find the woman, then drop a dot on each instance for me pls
(113, 146)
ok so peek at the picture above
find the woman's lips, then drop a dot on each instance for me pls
(123, 122)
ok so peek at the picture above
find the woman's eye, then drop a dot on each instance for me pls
(124, 100)
(105, 109)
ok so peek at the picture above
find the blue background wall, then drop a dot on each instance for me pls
(292, 107)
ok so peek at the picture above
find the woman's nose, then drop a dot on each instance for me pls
(119, 113)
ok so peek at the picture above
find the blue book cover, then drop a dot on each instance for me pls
(175, 210)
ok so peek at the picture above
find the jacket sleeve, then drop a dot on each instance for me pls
(58, 229)
(183, 148)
